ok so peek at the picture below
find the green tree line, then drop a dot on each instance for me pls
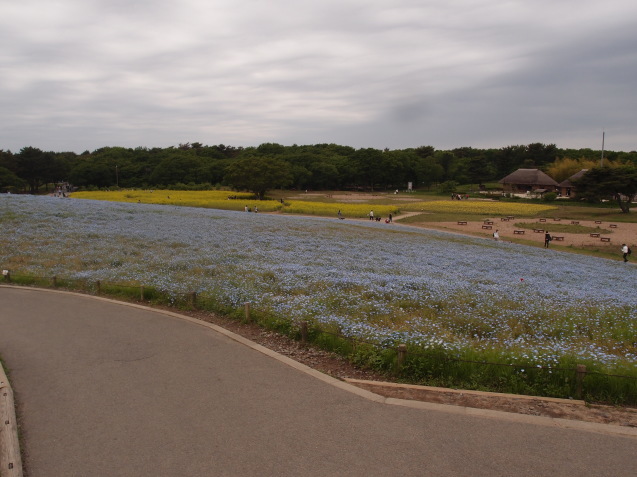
(316, 167)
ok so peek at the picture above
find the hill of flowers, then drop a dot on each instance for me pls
(381, 282)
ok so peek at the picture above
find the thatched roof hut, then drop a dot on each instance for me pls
(528, 180)
(567, 188)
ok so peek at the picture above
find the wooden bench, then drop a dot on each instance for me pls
(613, 226)
(594, 235)
(598, 221)
(488, 227)
(488, 222)
(605, 239)
(504, 219)
(538, 231)
(574, 222)
(519, 232)
(542, 220)
(559, 238)
(510, 217)
(462, 222)
(556, 219)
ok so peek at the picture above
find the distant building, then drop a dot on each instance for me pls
(528, 181)
(567, 188)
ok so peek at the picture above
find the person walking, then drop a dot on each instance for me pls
(547, 239)
(390, 218)
(496, 235)
(626, 251)
(371, 215)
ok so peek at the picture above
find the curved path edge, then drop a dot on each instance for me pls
(607, 429)
(10, 459)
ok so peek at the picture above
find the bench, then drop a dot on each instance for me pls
(510, 217)
(462, 222)
(559, 238)
(594, 235)
(556, 219)
(542, 220)
(488, 227)
(504, 219)
(605, 239)
(574, 222)
(598, 221)
(519, 232)
(613, 226)
(488, 222)
(538, 231)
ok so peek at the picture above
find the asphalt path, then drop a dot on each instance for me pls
(109, 389)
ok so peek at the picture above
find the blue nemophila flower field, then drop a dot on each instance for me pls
(386, 283)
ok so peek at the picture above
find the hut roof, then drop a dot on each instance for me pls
(528, 176)
(569, 182)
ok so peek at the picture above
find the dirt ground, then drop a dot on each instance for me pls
(620, 233)
(340, 368)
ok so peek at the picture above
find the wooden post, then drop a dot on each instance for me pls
(193, 299)
(402, 353)
(247, 310)
(581, 372)
(141, 292)
(54, 281)
(98, 286)
(304, 332)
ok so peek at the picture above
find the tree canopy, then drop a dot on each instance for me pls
(258, 174)
(317, 166)
(618, 183)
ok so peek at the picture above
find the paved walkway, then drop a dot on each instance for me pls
(109, 389)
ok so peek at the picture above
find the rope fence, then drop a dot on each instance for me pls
(404, 361)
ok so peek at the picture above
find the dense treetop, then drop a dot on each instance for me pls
(317, 167)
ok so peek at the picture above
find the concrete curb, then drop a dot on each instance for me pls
(576, 402)
(10, 459)
(483, 413)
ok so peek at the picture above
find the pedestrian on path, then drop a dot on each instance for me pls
(371, 215)
(626, 251)
(547, 239)
(496, 235)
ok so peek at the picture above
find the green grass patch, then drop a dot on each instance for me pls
(556, 227)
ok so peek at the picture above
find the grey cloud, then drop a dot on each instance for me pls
(373, 73)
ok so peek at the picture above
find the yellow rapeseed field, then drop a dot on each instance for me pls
(489, 208)
(236, 201)
(212, 199)
(229, 200)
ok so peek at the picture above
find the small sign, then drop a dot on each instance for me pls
(5, 272)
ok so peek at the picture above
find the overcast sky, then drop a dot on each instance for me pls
(84, 74)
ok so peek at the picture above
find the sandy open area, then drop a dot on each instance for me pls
(618, 233)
